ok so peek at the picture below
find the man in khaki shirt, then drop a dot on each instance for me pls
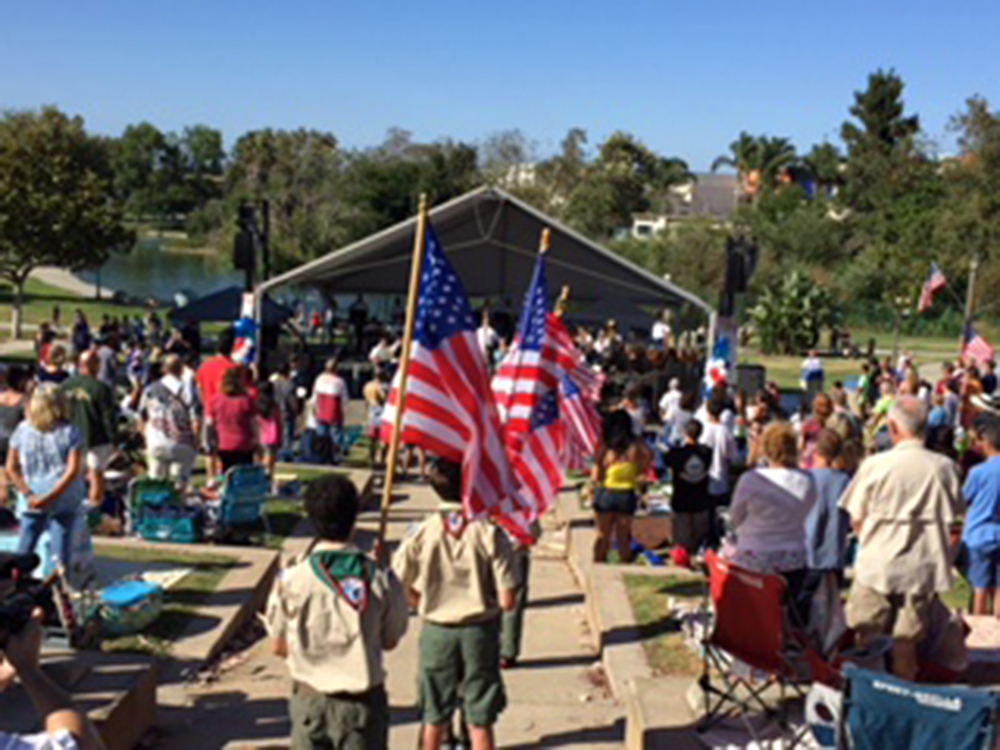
(902, 504)
(331, 616)
(458, 574)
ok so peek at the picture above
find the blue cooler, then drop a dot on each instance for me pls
(130, 606)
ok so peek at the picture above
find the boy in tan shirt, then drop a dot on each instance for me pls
(330, 616)
(458, 575)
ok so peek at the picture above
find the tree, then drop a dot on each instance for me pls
(759, 162)
(56, 202)
(790, 316)
(824, 165)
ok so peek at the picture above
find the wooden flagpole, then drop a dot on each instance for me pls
(563, 302)
(392, 459)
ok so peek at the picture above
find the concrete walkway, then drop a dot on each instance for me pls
(65, 280)
(552, 695)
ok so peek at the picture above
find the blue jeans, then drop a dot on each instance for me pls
(329, 442)
(60, 528)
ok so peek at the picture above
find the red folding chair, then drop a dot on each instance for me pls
(750, 624)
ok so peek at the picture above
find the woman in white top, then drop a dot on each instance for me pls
(769, 510)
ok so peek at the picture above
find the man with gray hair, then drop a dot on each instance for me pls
(902, 503)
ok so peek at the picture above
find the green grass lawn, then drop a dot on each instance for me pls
(39, 299)
(661, 636)
(180, 602)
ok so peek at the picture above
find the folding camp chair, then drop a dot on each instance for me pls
(881, 711)
(156, 513)
(750, 626)
(241, 500)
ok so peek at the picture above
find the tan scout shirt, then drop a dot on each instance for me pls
(906, 500)
(457, 577)
(333, 647)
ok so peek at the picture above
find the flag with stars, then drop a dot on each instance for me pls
(538, 466)
(581, 422)
(449, 408)
(529, 370)
(975, 346)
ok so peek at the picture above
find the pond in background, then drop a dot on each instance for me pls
(149, 271)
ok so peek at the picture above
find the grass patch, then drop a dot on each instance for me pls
(662, 639)
(960, 595)
(283, 515)
(180, 602)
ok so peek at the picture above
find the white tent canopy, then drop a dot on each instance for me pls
(492, 240)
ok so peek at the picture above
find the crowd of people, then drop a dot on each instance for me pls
(878, 478)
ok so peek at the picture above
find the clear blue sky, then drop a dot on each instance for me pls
(685, 77)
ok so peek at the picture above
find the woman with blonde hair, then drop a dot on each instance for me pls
(43, 464)
(769, 510)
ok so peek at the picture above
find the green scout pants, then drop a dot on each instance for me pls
(461, 661)
(340, 721)
(512, 623)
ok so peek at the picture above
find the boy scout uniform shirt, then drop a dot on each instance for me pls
(457, 574)
(333, 645)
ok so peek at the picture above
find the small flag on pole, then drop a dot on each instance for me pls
(933, 284)
(975, 346)
(449, 409)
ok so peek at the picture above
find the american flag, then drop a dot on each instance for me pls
(528, 371)
(581, 422)
(449, 408)
(571, 360)
(539, 466)
(933, 284)
(975, 346)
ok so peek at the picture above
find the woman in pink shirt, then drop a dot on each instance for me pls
(234, 415)
(268, 426)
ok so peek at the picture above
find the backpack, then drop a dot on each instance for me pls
(175, 418)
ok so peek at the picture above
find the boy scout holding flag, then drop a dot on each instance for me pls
(330, 616)
(458, 575)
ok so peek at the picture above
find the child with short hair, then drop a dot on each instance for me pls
(981, 533)
(330, 616)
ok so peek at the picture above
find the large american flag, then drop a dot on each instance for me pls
(975, 346)
(538, 466)
(528, 371)
(449, 408)
(933, 284)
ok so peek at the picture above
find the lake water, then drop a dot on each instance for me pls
(150, 272)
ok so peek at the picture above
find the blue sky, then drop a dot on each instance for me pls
(685, 77)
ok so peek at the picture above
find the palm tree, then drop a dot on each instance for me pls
(758, 160)
(742, 155)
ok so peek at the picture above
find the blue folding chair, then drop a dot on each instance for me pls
(241, 500)
(881, 711)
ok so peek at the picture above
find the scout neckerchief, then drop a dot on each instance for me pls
(455, 523)
(345, 573)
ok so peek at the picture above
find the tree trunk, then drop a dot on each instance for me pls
(16, 318)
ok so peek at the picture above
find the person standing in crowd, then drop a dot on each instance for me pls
(512, 621)
(670, 401)
(209, 379)
(54, 369)
(723, 446)
(12, 402)
(619, 465)
(107, 360)
(234, 417)
(44, 338)
(822, 410)
(691, 504)
(93, 411)
(634, 405)
(357, 314)
(330, 617)
(827, 526)
(288, 403)
(981, 532)
(902, 504)
(488, 338)
(81, 333)
(812, 374)
(769, 510)
(384, 352)
(43, 463)
(988, 381)
(330, 392)
(458, 575)
(661, 332)
(375, 393)
(268, 426)
(170, 413)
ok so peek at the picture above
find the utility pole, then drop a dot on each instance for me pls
(970, 297)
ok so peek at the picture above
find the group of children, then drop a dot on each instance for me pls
(333, 613)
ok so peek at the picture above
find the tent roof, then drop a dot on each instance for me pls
(226, 305)
(492, 240)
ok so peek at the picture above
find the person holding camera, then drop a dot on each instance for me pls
(64, 726)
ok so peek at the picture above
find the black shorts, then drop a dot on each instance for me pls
(624, 502)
